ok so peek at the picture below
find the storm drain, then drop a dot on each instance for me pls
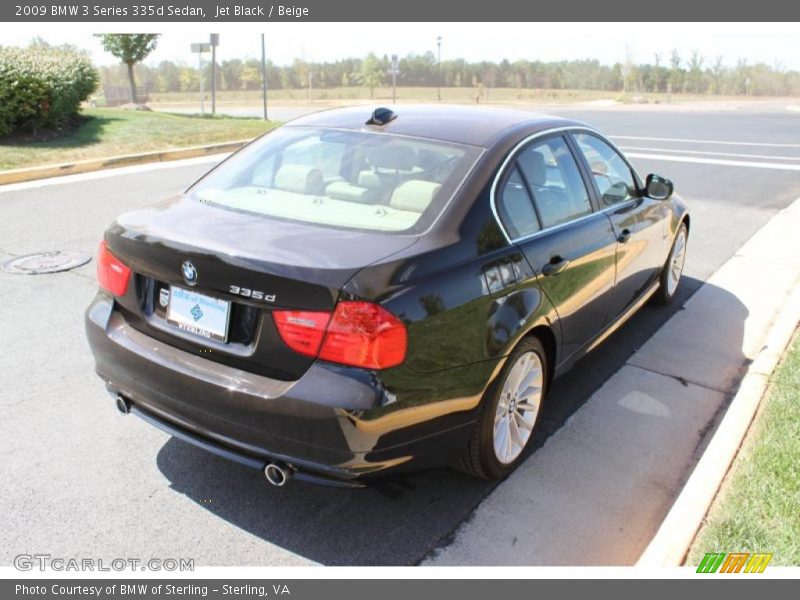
(45, 262)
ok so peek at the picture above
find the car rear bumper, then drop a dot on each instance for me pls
(333, 425)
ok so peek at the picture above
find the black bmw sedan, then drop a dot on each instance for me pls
(356, 293)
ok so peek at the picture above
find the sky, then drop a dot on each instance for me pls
(772, 43)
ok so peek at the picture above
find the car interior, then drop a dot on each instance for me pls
(384, 187)
(549, 172)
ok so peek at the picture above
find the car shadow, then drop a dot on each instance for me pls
(401, 520)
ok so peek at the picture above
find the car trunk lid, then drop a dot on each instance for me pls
(249, 264)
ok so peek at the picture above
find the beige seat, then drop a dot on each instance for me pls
(341, 190)
(414, 195)
(300, 179)
(390, 163)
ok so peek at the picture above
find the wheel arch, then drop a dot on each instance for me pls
(548, 339)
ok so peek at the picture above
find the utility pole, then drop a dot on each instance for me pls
(264, 73)
(214, 40)
(439, 68)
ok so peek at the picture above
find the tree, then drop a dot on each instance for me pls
(675, 75)
(130, 48)
(371, 73)
(251, 75)
(232, 74)
(695, 75)
(39, 43)
(169, 77)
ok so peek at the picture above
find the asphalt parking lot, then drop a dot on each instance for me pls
(79, 480)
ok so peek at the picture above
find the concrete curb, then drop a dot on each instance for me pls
(97, 164)
(671, 543)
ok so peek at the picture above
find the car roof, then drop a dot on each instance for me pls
(472, 125)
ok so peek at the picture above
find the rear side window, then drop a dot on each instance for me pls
(340, 178)
(554, 180)
(516, 208)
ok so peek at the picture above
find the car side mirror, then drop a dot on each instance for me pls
(658, 187)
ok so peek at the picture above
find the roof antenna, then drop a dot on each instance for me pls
(381, 116)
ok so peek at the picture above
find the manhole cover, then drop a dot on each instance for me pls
(45, 262)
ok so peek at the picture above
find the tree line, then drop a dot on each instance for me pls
(679, 74)
(674, 73)
(692, 74)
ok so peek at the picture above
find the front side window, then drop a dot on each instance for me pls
(610, 172)
(349, 179)
(554, 180)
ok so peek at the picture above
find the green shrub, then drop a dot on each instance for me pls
(42, 88)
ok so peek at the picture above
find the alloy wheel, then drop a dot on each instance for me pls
(518, 407)
(676, 261)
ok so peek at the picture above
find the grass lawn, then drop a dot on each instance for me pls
(110, 132)
(758, 508)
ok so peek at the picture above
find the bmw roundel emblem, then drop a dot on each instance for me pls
(189, 272)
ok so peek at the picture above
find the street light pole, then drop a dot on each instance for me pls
(439, 68)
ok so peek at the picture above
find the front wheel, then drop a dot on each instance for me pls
(509, 416)
(673, 270)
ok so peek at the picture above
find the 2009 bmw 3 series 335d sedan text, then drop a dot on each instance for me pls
(356, 293)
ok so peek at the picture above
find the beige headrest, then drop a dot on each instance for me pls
(414, 195)
(369, 179)
(301, 179)
(341, 190)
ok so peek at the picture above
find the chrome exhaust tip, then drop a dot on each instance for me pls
(123, 404)
(277, 474)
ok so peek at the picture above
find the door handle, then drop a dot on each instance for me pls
(555, 266)
(624, 236)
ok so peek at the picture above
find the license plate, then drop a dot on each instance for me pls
(198, 314)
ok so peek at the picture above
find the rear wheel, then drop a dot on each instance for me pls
(673, 270)
(509, 416)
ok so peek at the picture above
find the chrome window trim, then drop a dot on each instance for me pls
(511, 156)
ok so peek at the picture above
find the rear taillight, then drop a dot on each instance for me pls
(302, 331)
(112, 273)
(358, 334)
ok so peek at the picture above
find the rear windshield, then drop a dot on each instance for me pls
(345, 179)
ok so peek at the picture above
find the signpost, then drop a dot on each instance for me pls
(200, 48)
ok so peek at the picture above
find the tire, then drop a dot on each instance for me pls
(672, 272)
(487, 454)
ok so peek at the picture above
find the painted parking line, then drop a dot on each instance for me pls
(700, 152)
(715, 161)
(694, 141)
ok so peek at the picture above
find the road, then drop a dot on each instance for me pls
(79, 480)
